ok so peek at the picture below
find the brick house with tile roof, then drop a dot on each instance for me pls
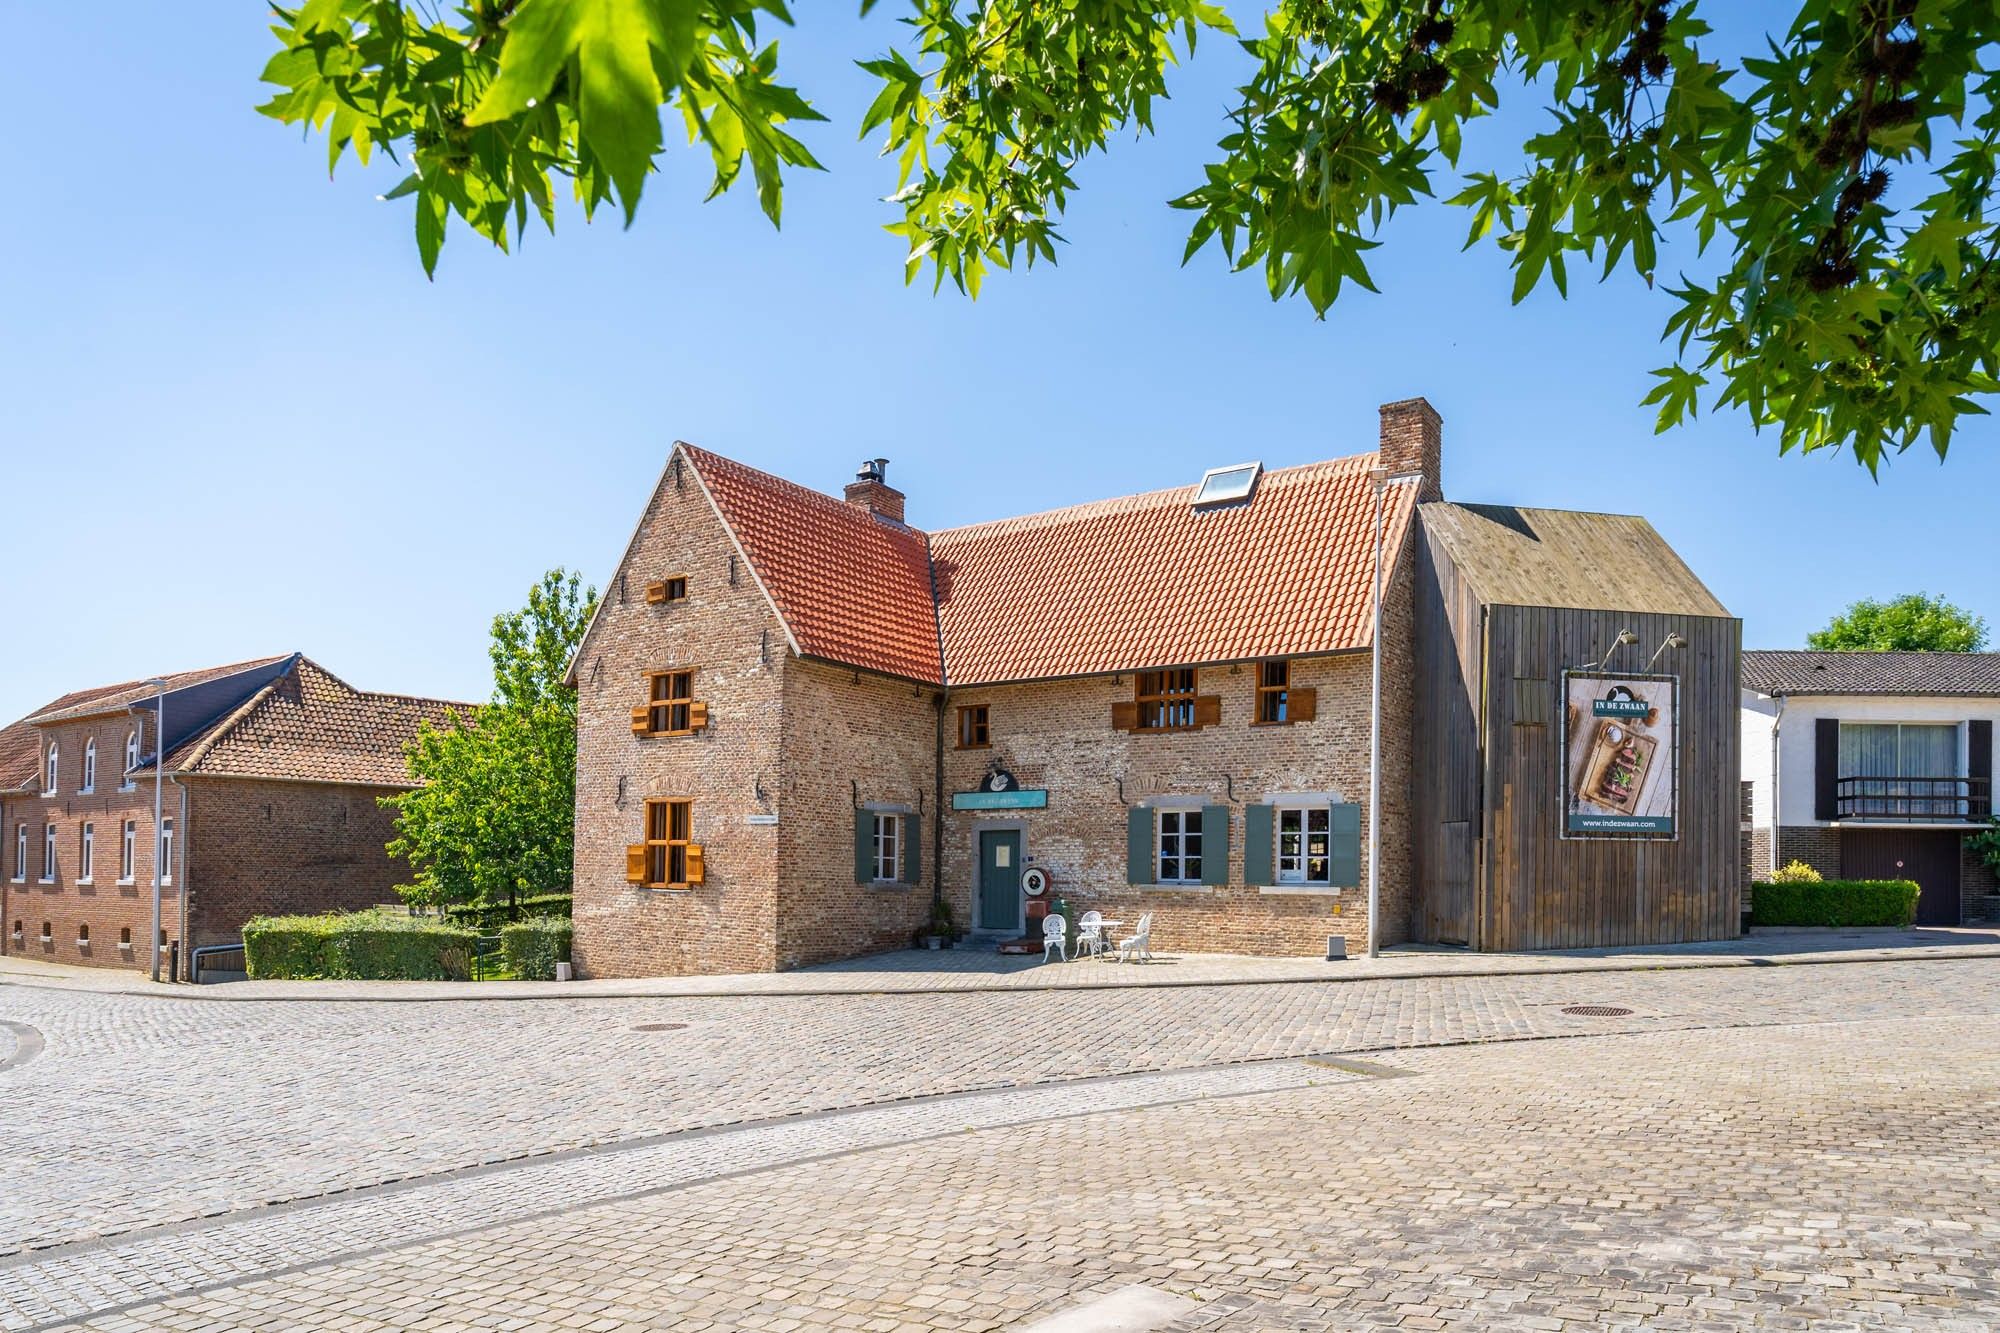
(273, 771)
(802, 719)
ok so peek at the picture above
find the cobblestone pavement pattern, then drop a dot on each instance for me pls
(1693, 1172)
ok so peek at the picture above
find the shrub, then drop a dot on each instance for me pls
(1798, 872)
(533, 947)
(374, 945)
(1834, 902)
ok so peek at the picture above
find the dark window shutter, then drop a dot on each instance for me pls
(1139, 844)
(1826, 768)
(1125, 715)
(1979, 765)
(864, 846)
(1301, 703)
(1208, 710)
(1215, 844)
(1344, 868)
(913, 850)
(1258, 839)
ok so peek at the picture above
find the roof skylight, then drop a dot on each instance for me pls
(1222, 485)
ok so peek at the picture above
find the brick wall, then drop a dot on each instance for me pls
(256, 847)
(1979, 887)
(850, 736)
(726, 631)
(1817, 846)
(106, 907)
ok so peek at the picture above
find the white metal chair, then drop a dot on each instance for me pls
(1140, 942)
(1090, 934)
(1055, 935)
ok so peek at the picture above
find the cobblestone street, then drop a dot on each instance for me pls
(1787, 1146)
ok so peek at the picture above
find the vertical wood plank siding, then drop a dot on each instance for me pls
(1530, 887)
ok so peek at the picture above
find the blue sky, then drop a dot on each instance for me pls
(239, 421)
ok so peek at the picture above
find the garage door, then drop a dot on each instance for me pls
(1927, 856)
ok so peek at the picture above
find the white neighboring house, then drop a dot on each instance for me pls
(1874, 766)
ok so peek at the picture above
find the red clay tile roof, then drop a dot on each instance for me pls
(1143, 581)
(1150, 581)
(309, 725)
(851, 587)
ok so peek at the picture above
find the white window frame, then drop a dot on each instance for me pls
(1186, 824)
(1300, 875)
(888, 846)
(89, 783)
(86, 853)
(166, 845)
(51, 768)
(21, 852)
(131, 759)
(128, 852)
(49, 853)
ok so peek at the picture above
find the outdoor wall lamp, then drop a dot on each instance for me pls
(1625, 636)
(1673, 640)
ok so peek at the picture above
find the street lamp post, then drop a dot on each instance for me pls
(159, 688)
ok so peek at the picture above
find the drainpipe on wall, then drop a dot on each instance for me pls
(1375, 737)
(181, 890)
(1777, 820)
(937, 809)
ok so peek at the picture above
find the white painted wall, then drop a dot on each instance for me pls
(1795, 739)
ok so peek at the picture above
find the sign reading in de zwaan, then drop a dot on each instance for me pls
(1620, 750)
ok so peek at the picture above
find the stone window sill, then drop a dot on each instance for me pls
(1176, 888)
(86, 883)
(894, 886)
(46, 879)
(1300, 890)
(124, 883)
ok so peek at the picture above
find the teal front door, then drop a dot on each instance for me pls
(1000, 879)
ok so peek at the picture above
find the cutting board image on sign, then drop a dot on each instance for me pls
(1615, 771)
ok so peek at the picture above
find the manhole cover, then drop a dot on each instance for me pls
(1596, 1011)
(658, 1027)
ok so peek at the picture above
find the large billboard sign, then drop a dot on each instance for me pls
(1621, 738)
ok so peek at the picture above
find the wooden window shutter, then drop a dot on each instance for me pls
(635, 863)
(1215, 844)
(864, 846)
(913, 850)
(1979, 765)
(1125, 715)
(642, 721)
(1302, 703)
(696, 872)
(656, 592)
(697, 715)
(1139, 845)
(1344, 847)
(1826, 768)
(1207, 711)
(1259, 841)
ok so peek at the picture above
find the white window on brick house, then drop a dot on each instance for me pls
(89, 783)
(167, 850)
(20, 853)
(1178, 843)
(131, 757)
(888, 847)
(128, 851)
(1305, 844)
(49, 770)
(86, 845)
(48, 853)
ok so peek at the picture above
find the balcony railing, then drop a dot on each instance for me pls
(1915, 800)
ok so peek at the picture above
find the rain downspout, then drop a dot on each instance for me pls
(181, 889)
(1777, 811)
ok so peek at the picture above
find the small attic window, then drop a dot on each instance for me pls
(1225, 485)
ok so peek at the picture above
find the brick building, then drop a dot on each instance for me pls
(273, 772)
(802, 719)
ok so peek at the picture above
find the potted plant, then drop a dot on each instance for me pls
(942, 930)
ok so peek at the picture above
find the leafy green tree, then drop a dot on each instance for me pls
(1838, 310)
(1914, 622)
(495, 815)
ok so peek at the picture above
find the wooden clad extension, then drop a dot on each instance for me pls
(1493, 869)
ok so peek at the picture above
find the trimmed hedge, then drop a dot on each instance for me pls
(375, 945)
(1834, 902)
(533, 947)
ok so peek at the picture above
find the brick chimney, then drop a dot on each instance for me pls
(871, 490)
(1413, 442)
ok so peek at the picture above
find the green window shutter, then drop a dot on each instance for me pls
(864, 846)
(1215, 844)
(1139, 844)
(1259, 838)
(1345, 870)
(913, 850)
